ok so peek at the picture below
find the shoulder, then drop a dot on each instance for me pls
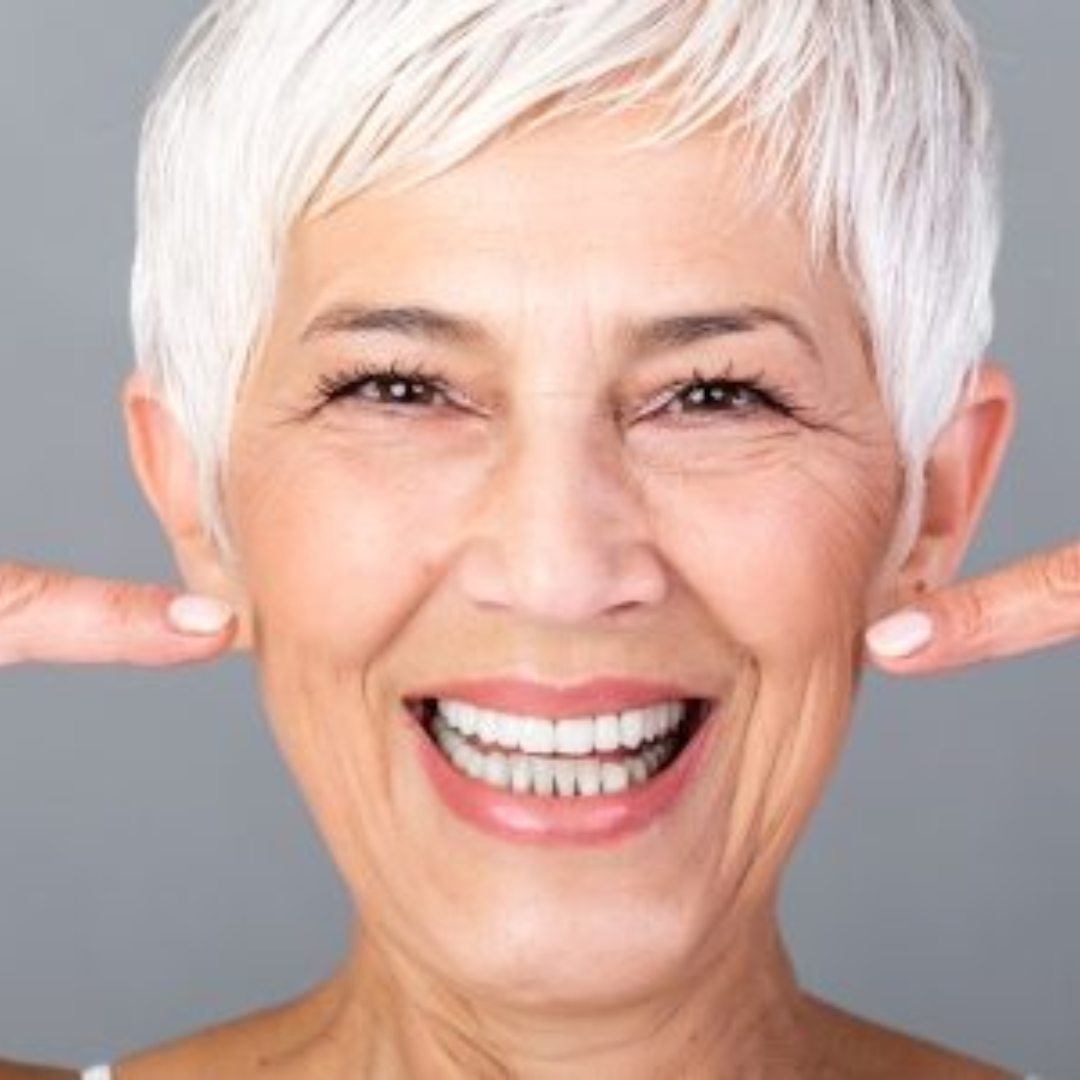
(856, 1046)
(10, 1070)
(238, 1048)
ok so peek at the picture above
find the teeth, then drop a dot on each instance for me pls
(534, 735)
(632, 728)
(487, 727)
(566, 777)
(496, 770)
(588, 776)
(579, 737)
(459, 716)
(614, 777)
(543, 776)
(521, 775)
(607, 733)
(575, 737)
(577, 772)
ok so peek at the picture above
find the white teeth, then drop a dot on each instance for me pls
(474, 764)
(558, 758)
(496, 770)
(574, 774)
(574, 737)
(652, 722)
(521, 775)
(566, 777)
(578, 737)
(588, 776)
(487, 727)
(460, 753)
(632, 728)
(607, 733)
(459, 716)
(543, 776)
(535, 735)
(505, 735)
(614, 777)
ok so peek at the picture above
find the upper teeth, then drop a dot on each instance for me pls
(580, 736)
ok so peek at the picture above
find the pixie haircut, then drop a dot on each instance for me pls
(871, 116)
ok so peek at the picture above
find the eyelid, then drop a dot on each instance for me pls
(338, 385)
(773, 398)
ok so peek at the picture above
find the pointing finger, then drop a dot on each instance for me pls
(54, 617)
(1032, 604)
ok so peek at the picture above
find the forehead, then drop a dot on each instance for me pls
(569, 215)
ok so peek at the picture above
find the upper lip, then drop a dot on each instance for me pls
(529, 697)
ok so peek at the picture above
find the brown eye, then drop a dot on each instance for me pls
(397, 390)
(719, 395)
(384, 386)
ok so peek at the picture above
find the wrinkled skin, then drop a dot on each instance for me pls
(549, 511)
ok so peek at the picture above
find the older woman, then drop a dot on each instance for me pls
(554, 393)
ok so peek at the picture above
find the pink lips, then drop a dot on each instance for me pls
(538, 819)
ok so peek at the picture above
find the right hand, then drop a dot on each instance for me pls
(48, 616)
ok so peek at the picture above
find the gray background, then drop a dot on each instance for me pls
(157, 871)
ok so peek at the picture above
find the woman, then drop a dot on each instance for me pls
(493, 416)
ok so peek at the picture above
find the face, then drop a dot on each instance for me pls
(570, 432)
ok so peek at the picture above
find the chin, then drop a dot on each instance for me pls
(563, 951)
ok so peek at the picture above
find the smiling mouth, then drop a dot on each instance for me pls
(574, 758)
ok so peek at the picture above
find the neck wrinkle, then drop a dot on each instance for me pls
(743, 1017)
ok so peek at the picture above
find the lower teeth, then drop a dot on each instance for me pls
(561, 777)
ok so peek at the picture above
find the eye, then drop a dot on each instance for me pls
(703, 396)
(718, 395)
(385, 386)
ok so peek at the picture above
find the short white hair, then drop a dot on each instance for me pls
(873, 114)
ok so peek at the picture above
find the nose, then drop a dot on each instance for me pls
(563, 534)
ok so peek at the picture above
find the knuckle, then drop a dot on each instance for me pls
(1059, 573)
(119, 603)
(970, 612)
(22, 588)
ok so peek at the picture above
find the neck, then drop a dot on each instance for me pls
(740, 1015)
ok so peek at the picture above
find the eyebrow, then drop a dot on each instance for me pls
(652, 335)
(680, 331)
(413, 322)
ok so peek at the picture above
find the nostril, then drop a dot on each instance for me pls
(562, 578)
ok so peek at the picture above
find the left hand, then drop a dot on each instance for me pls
(1031, 604)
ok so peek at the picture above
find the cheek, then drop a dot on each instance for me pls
(783, 555)
(339, 546)
(782, 558)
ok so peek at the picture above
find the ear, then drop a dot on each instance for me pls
(959, 476)
(165, 468)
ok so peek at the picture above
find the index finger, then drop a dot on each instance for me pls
(1029, 605)
(51, 616)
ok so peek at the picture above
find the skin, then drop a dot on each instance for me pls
(1033, 604)
(654, 546)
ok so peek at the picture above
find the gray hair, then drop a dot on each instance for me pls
(873, 114)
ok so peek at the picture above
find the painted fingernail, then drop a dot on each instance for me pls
(199, 616)
(901, 635)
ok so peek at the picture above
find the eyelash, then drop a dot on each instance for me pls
(351, 382)
(727, 385)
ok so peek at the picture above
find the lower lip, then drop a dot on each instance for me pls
(578, 820)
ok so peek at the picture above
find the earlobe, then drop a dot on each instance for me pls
(165, 468)
(959, 477)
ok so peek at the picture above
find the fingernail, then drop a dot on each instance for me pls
(199, 616)
(900, 635)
